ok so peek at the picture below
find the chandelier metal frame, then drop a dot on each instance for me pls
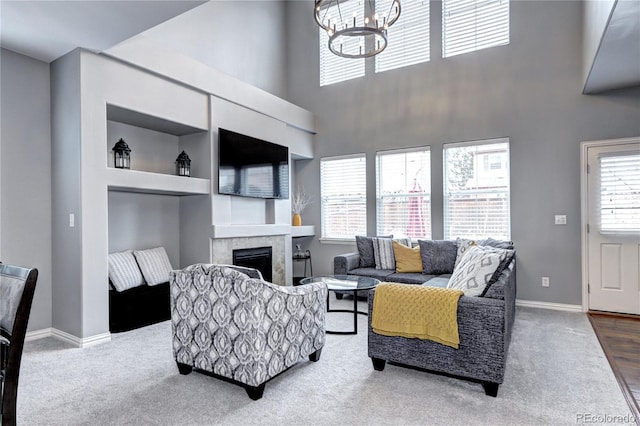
(372, 32)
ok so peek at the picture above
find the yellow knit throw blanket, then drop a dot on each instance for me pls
(417, 311)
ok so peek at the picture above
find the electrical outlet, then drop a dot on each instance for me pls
(545, 281)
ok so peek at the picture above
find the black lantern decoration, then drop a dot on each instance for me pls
(183, 165)
(121, 155)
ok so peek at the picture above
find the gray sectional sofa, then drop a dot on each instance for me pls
(484, 326)
(349, 264)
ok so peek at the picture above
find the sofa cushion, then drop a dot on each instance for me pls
(154, 264)
(476, 270)
(408, 278)
(380, 274)
(438, 257)
(123, 271)
(439, 281)
(407, 258)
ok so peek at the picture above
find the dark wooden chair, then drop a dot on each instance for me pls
(17, 286)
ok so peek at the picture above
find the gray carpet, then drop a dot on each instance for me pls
(556, 371)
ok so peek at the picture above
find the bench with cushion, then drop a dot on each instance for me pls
(139, 288)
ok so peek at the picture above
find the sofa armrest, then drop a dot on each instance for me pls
(343, 263)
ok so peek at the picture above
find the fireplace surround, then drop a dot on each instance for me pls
(222, 252)
(259, 258)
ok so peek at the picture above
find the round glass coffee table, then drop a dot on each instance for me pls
(345, 284)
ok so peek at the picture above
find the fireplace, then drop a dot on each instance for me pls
(257, 257)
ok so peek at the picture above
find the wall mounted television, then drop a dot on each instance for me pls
(250, 167)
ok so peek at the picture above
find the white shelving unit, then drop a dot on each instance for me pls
(155, 183)
(303, 231)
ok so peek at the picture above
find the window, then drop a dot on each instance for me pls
(476, 191)
(470, 25)
(343, 190)
(408, 38)
(334, 68)
(620, 193)
(403, 192)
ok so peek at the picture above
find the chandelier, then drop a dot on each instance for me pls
(360, 35)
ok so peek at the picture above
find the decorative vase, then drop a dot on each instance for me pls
(297, 219)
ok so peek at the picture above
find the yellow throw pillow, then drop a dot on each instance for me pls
(407, 259)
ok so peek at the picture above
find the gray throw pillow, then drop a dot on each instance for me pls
(365, 250)
(490, 242)
(438, 256)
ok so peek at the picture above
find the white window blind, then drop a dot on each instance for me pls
(334, 68)
(403, 192)
(408, 38)
(470, 25)
(343, 188)
(476, 198)
(620, 193)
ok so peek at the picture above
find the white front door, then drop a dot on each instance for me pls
(613, 230)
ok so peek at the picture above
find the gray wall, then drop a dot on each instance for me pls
(244, 39)
(142, 221)
(66, 244)
(25, 167)
(529, 91)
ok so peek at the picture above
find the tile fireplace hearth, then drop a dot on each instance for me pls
(222, 252)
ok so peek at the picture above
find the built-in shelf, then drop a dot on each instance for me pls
(234, 231)
(303, 231)
(155, 183)
(146, 121)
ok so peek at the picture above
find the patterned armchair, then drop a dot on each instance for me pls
(241, 329)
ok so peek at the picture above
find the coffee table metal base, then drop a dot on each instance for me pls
(342, 284)
(354, 311)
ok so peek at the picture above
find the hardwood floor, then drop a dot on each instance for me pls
(619, 336)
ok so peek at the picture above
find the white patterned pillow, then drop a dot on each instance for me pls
(463, 246)
(154, 264)
(123, 271)
(475, 270)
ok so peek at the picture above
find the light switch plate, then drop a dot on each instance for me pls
(561, 219)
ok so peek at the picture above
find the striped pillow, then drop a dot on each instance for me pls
(123, 271)
(383, 253)
(154, 264)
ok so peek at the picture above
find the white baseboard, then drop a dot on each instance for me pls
(69, 338)
(38, 334)
(548, 305)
